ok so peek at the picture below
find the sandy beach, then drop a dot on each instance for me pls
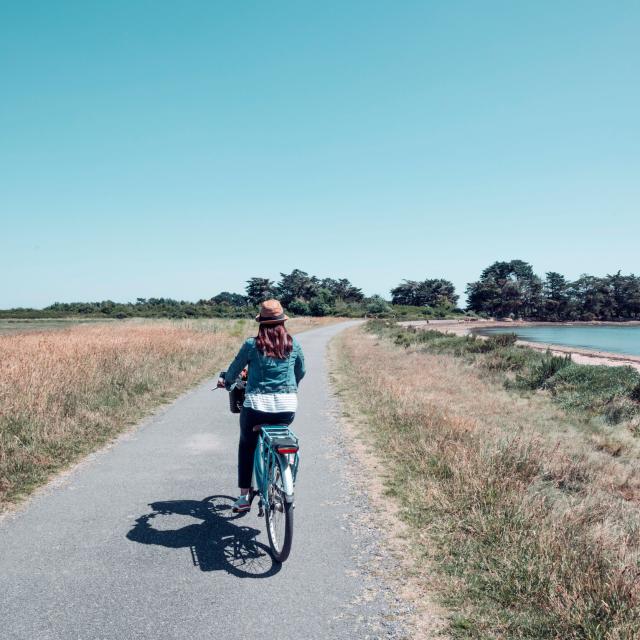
(579, 356)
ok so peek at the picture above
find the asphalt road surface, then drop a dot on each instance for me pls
(138, 540)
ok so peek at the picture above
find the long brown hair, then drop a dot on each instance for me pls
(274, 341)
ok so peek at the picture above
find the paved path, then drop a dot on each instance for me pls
(134, 544)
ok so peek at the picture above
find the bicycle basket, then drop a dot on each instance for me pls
(236, 399)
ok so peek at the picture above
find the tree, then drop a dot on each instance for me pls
(437, 293)
(107, 306)
(427, 293)
(506, 289)
(627, 295)
(323, 303)
(259, 289)
(405, 293)
(556, 297)
(297, 285)
(484, 296)
(232, 299)
(592, 298)
(342, 289)
(625, 292)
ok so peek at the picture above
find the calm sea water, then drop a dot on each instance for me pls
(616, 339)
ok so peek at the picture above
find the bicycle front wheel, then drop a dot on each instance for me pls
(279, 516)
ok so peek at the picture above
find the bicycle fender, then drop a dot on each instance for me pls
(287, 477)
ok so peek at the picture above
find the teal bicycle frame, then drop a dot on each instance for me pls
(272, 451)
(275, 467)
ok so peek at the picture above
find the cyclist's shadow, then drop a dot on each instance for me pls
(215, 543)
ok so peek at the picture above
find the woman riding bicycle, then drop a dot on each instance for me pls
(276, 366)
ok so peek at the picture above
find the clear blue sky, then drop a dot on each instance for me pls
(177, 149)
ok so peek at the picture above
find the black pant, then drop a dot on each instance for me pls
(250, 418)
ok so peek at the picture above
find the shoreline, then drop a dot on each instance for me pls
(578, 355)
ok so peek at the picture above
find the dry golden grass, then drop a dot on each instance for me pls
(533, 525)
(64, 393)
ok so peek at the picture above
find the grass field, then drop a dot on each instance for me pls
(66, 392)
(16, 325)
(525, 505)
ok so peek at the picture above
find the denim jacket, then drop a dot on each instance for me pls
(267, 375)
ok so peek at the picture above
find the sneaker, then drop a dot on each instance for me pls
(242, 504)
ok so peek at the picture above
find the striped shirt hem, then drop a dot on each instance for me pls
(272, 402)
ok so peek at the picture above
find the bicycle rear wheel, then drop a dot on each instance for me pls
(279, 516)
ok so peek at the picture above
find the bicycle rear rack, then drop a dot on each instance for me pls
(277, 434)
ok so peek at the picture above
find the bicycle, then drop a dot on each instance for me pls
(275, 468)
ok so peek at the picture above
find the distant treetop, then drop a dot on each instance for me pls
(512, 289)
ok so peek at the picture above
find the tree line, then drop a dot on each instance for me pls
(512, 289)
(299, 292)
(504, 289)
(307, 295)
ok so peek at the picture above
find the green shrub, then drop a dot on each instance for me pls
(621, 409)
(402, 340)
(540, 371)
(298, 307)
(378, 306)
(499, 341)
(318, 307)
(508, 359)
(594, 388)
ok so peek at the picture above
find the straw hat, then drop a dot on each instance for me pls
(271, 312)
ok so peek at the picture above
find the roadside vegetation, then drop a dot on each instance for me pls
(518, 472)
(65, 393)
(609, 394)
